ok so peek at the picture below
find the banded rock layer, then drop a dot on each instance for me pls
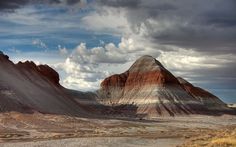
(156, 92)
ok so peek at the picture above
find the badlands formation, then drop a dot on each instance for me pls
(35, 110)
(27, 88)
(148, 85)
(147, 89)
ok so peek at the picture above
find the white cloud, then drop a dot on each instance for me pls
(97, 55)
(62, 50)
(81, 84)
(85, 68)
(39, 43)
(187, 59)
(107, 20)
(24, 16)
(197, 67)
(80, 76)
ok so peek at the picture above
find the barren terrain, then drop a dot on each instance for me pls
(37, 129)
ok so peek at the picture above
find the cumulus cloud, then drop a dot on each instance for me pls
(80, 76)
(82, 67)
(107, 54)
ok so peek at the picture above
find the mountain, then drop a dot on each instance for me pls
(26, 87)
(148, 85)
(147, 88)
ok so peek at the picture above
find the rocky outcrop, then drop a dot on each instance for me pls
(49, 73)
(43, 70)
(156, 92)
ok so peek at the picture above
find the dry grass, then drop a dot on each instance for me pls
(223, 142)
(225, 137)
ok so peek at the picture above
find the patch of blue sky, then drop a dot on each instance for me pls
(227, 95)
(65, 38)
(57, 26)
(72, 39)
(5, 23)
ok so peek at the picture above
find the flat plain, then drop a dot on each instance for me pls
(40, 130)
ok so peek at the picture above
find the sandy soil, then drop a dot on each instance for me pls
(99, 142)
(53, 130)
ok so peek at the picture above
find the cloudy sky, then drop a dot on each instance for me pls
(87, 40)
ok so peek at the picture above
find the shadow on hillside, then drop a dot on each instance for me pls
(87, 101)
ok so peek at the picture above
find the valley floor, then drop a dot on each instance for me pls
(40, 130)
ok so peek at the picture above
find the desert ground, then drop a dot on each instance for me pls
(40, 130)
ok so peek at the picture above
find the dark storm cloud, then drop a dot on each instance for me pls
(14, 4)
(11, 5)
(72, 2)
(121, 3)
(205, 25)
(223, 76)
